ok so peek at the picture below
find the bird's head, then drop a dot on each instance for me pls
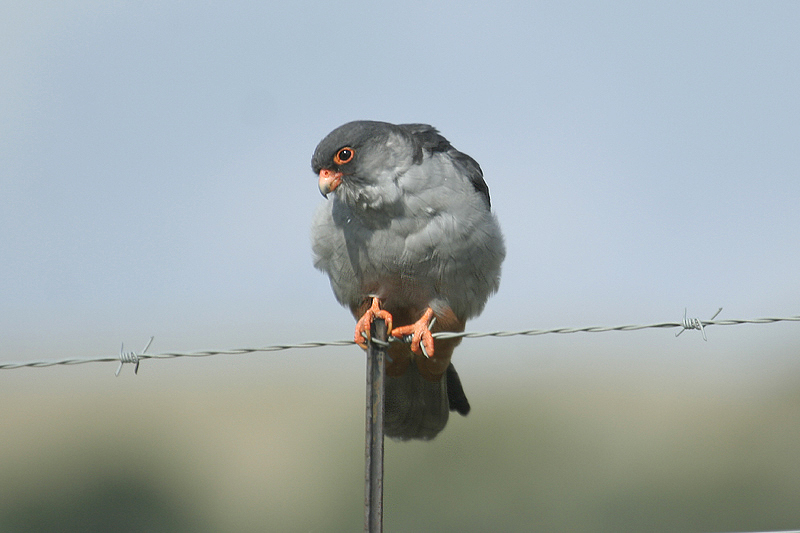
(361, 161)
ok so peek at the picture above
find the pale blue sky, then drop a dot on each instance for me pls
(155, 177)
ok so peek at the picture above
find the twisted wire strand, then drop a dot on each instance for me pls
(603, 329)
(132, 357)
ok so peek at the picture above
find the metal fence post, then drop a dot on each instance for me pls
(373, 491)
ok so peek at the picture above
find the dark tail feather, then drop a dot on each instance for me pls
(416, 408)
(456, 398)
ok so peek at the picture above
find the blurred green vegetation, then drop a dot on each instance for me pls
(236, 452)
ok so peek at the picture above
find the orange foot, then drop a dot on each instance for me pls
(421, 339)
(365, 322)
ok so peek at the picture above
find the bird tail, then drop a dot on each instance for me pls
(416, 408)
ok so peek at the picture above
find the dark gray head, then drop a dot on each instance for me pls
(367, 153)
(362, 159)
(357, 136)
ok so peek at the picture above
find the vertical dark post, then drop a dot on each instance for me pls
(373, 492)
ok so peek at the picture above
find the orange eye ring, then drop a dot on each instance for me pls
(344, 155)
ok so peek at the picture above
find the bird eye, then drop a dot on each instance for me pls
(345, 155)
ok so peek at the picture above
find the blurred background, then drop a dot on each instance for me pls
(155, 181)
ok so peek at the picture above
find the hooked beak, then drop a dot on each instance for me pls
(328, 181)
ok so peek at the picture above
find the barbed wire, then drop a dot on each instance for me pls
(134, 358)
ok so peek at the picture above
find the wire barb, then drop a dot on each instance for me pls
(696, 323)
(130, 357)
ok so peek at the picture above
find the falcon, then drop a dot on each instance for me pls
(407, 235)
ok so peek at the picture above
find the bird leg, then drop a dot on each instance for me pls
(421, 338)
(364, 323)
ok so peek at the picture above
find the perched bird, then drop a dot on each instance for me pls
(407, 235)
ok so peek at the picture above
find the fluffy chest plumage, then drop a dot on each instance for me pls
(419, 254)
(393, 257)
